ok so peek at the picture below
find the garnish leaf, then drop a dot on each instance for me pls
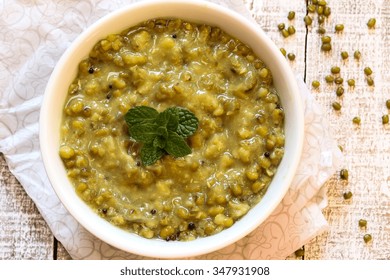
(168, 119)
(161, 133)
(159, 142)
(188, 122)
(176, 145)
(150, 154)
(144, 132)
(140, 114)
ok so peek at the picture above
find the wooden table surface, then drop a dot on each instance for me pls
(366, 147)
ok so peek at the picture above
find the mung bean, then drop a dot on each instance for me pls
(285, 33)
(344, 174)
(315, 84)
(339, 27)
(321, 30)
(291, 56)
(291, 15)
(344, 55)
(357, 55)
(336, 106)
(308, 20)
(326, 47)
(339, 91)
(329, 78)
(367, 238)
(347, 195)
(371, 23)
(351, 82)
(385, 119)
(362, 223)
(291, 30)
(338, 80)
(370, 81)
(335, 70)
(326, 39)
(281, 26)
(327, 11)
(356, 120)
(367, 71)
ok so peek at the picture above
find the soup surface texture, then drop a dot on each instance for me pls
(235, 151)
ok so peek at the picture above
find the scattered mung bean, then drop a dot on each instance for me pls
(291, 15)
(291, 56)
(291, 30)
(347, 195)
(339, 91)
(356, 120)
(321, 30)
(327, 11)
(336, 106)
(338, 80)
(321, 19)
(326, 39)
(285, 33)
(370, 81)
(311, 8)
(385, 119)
(335, 70)
(367, 238)
(308, 20)
(344, 55)
(339, 27)
(351, 82)
(357, 55)
(371, 23)
(329, 78)
(344, 174)
(367, 71)
(315, 84)
(362, 223)
(326, 47)
(322, 3)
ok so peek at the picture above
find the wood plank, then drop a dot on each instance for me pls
(23, 232)
(366, 147)
(25, 235)
(62, 254)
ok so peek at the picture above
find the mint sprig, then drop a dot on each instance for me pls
(161, 133)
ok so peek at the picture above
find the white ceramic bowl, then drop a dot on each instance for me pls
(196, 11)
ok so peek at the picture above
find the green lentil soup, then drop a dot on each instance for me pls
(236, 148)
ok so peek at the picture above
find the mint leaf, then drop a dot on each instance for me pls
(176, 145)
(188, 122)
(150, 154)
(143, 132)
(161, 133)
(140, 114)
(159, 142)
(168, 119)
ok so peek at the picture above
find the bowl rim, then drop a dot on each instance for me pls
(139, 245)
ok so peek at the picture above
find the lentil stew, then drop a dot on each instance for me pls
(235, 151)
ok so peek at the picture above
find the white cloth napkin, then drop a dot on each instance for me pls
(34, 36)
